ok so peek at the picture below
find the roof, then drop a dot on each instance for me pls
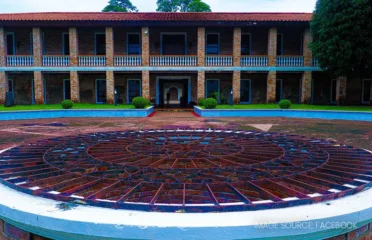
(163, 17)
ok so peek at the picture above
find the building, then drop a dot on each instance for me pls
(86, 57)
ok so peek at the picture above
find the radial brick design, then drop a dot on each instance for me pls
(187, 170)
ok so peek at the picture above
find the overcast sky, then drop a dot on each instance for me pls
(8, 6)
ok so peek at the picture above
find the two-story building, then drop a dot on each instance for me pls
(259, 57)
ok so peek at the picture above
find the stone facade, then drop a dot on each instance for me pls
(272, 45)
(201, 46)
(201, 85)
(39, 87)
(341, 90)
(37, 46)
(237, 46)
(145, 46)
(75, 86)
(3, 86)
(74, 48)
(308, 54)
(2, 47)
(271, 87)
(110, 87)
(146, 84)
(236, 87)
(306, 88)
(109, 47)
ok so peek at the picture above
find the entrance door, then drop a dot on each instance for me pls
(213, 89)
(134, 89)
(100, 91)
(279, 90)
(333, 91)
(178, 88)
(245, 91)
(66, 89)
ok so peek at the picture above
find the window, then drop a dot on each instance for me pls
(66, 89)
(366, 91)
(279, 47)
(333, 91)
(246, 44)
(65, 44)
(134, 89)
(279, 90)
(100, 91)
(213, 89)
(10, 41)
(100, 44)
(245, 91)
(213, 44)
(133, 44)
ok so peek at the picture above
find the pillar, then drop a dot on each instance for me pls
(273, 38)
(110, 87)
(146, 84)
(237, 46)
(271, 87)
(74, 46)
(201, 85)
(306, 88)
(341, 90)
(201, 46)
(109, 46)
(4, 86)
(2, 47)
(236, 87)
(75, 86)
(37, 46)
(308, 54)
(39, 87)
(145, 46)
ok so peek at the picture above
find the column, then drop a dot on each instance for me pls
(4, 86)
(306, 88)
(273, 38)
(145, 46)
(201, 85)
(109, 46)
(75, 86)
(308, 54)
(39, 87)
(341, 90)
(74, 46)
(236, 87)
(2, 47)
(271, 87)
(146, 84)
(37, 46)
(201, 46)
(110, 87)
(237, 46)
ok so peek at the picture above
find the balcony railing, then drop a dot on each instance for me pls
(87, 61)
(290, 61)
(315, 62)
(56, 61)
(219, 61)
(254, 61)
(174, 61)
(127, 61)
(20, 61)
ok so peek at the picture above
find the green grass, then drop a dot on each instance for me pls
(298, 106)
(58, 106)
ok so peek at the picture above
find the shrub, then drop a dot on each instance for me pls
(285, 104)
(140, 102)
(67, 104)
(210, 103)
(200, 103)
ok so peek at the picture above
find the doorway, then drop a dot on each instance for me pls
(100, 91)
(173, 92)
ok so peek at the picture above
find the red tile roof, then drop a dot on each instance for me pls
(188, 17)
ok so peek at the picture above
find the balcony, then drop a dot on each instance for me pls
(290, 61)
(176, 61)
(20, 61)
(92, 61)
(254, 61)
(224, 61)
(56, 61)
(124, 61)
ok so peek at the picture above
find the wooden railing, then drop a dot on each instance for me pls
(20, 61)
(56, 61)
(254, 61)
(219, 61)
(315, 62)
(127, 61)
(290, 61)
(86, 61)
(173, 61)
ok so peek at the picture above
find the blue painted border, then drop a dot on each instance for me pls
(330, 115)
(76, 113)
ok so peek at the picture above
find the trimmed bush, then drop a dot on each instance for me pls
(285, 104)
(140, 102)
(200, 103)
(210, 103)
(67, 104)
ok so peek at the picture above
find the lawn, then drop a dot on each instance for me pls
(58, 106)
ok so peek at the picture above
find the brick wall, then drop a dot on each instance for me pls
(37, 46)
(110, 85)
(236, 87)
(74, 46)
(291, 86)
(54, 87)
(109, 46)
(145, 46)
(258, 86)
(306, 88)
(120, 39)
(2, 46)
(53, 40)
(121, 84)
(22, 87)
(3, 86)
(86, 40)
(259, 38)
(292, 40)
(271, 87)
(87, 82)
(272, 44)
(146, 84)
(341, 90)
(226, 39)
(22, 40)
(201, 46)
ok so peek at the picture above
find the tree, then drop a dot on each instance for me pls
(120, 6)
(182, 6)
(342, 35)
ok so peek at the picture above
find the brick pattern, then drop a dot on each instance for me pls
(2, 46)
(236, 87)
(109, 47)
(201, 85)
(145, 46)
(3, 86)
(201, 46)
(110, 87)
(39, 87)
(273, 38)
(341, 90)
(308, 54)
(271, 87)
(306, 88)
(146, 84)
(74, 46)
(75, 86)
(37, 46)
(237, 46)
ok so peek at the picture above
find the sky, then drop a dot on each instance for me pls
(9, 6)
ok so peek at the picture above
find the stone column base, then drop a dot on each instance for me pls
(236, 87)
(271, 87)
(201, 85)
(110, 87)
(39, 87)
(306, 88)
(146, 84)
(75, 86)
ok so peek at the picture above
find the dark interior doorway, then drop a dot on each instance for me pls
(173, 44)
(176, 99)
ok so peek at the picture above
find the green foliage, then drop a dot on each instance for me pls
(182, 6)
(285, 104)
(201, 103)
(342, 33)
(67, 104)
(210, 103)
(215, 95)
(120, 6)
(140, 102)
